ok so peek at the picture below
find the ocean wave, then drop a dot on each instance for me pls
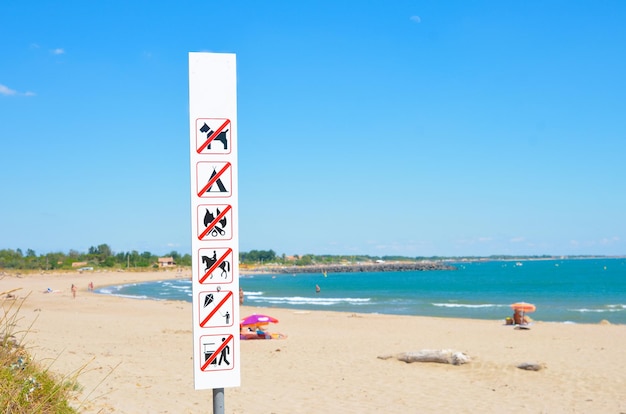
(467, 305)
(299, 300)
(608, 309)
(135, 296)
(246, 293)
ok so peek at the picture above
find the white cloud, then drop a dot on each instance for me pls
(416, 19)
(58, 51)
(5, 90)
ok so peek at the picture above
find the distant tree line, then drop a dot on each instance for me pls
(101, 256)
(260, 257)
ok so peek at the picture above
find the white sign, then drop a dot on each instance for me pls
(214, 205)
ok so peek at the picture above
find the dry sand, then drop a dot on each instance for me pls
(136, 357)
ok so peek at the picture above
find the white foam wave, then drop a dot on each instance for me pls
(606, 310)
(299, 300)
(467, 305)
(134, 296)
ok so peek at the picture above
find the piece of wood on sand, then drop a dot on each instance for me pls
(442, 356)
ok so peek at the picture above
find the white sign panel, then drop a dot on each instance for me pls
(214, 226)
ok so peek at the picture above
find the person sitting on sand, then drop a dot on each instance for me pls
(518, 319)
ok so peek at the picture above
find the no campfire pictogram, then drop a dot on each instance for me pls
(217, 353)
(217, 220)
(217, 265)
(214, 179)
(209, 130)
(217, 308)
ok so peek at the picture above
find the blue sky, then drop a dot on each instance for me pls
(384, 128)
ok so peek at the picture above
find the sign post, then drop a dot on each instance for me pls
(214, 222)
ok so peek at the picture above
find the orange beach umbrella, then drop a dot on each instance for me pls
(524, 307)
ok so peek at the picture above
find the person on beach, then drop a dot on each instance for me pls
(241, 296)
(91, 286)
(518, 319)
(74, 289)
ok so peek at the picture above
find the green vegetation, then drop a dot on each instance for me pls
(26, 387)
(101, 257)
(256, 257)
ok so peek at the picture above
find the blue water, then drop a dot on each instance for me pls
(578, 291)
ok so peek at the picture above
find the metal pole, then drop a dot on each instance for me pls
(218, 400)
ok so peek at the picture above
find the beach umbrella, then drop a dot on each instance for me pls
(524, 307)
(258, 319)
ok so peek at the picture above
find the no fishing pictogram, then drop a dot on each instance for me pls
(220, 175)
(206, 135)
(225, 302)
(217, 221)
(213, 263)
(222, 351)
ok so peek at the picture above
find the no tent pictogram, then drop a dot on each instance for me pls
(214, 179)
(216, 223)
(216, 350)
(217, 265)
(217, 309)
(209, 130)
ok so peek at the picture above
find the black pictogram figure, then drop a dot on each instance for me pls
(220, 137)
(208, 299)
(218, 182)
(210, 261)
(209, 218)
(208, 351)
(224, 353)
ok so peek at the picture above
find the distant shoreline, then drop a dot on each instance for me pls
(349, 268)
(398, 266)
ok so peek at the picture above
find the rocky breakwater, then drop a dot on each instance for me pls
(362, 267)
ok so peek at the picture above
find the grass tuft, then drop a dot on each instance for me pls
(25, 386)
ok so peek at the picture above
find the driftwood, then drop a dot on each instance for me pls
(442, 356)
(530, 366)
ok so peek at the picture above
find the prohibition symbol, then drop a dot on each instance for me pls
(216, 266)
(220, 308)
(216, 222)
(220, 176)
(206, 135)
(215, 358)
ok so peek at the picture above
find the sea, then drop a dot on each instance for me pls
(567, 290)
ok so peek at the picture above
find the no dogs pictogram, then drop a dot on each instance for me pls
(216, 352)
(216, 222)
(210, 130)
(217, 309)
(214, 179)
(217, 265)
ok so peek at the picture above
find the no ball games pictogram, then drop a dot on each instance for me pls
(218, 176)
(209, 130)
(219, 265)
(211, 304)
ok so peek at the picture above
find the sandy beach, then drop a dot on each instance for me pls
(136, 357)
